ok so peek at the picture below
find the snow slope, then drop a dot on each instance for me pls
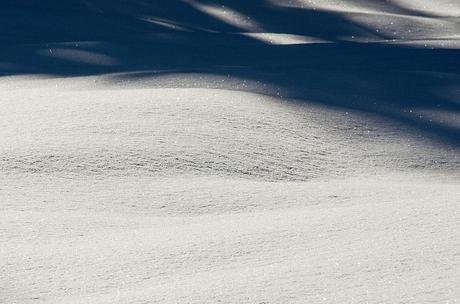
(216, 158)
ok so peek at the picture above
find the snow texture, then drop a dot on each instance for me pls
(217, 152)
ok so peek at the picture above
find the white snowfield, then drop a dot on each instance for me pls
(195, 187)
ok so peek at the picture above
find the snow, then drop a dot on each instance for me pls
(330, 175)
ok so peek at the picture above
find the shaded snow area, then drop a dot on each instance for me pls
(229, 151)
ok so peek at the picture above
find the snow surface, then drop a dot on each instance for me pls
(238, 181)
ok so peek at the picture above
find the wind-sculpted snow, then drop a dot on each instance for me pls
(229, 151)
(84, 241)
(170, 132)
(131, 195)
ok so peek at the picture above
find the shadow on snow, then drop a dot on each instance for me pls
(344, 64)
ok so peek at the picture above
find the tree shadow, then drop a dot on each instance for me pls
(344, 59)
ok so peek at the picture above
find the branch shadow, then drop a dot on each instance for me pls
(344, 62)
